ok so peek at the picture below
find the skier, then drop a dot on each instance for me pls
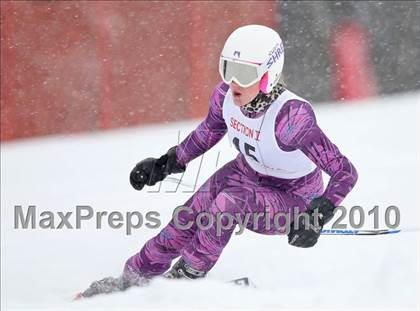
(282, 151)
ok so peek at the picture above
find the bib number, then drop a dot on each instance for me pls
(249, 149)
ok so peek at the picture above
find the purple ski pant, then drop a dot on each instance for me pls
(234, 188)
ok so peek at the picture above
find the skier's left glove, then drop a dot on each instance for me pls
(150, 171)
(307, 234)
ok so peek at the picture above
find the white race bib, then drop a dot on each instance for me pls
(256, 140)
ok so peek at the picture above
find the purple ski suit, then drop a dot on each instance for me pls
(237, 188)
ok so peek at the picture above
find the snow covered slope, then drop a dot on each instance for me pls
(43, 268)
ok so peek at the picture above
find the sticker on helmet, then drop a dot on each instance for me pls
(275, 56)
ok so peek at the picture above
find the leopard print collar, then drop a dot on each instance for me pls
(261, 101)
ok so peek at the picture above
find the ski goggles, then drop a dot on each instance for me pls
(243, 73)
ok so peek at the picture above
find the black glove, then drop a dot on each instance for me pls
(307, 234)
(150, 171)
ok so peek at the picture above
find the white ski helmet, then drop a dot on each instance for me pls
(252, 53)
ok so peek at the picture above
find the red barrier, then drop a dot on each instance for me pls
(104, 54)
(353, 75)
(70, 66)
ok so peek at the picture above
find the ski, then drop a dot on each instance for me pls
(359, 232)
(243, 282)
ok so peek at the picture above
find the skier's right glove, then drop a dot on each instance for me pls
(150, 171)
(307, 234)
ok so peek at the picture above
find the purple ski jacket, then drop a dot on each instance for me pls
(296, 128)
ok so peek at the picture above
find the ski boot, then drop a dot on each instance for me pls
(181, 270)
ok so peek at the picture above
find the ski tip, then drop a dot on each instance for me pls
(245, 282)
(78, 296)
(241, 281)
